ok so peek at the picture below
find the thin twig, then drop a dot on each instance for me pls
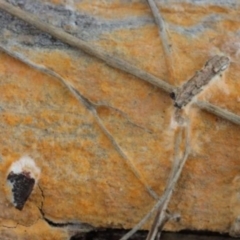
(122, 65)
(167, 217)
(110, 60)
(122, 113)
(175, 164)
(155, 222)
(191, 88)
(80, 44)
(168, 191)
(220, 112)
(161, 26)
(89, 105)
(44, 70)
(162, 30)
(144, 219)
(164, 220)
(124, 156)
(160, 216)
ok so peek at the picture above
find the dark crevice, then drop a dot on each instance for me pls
(81, 226)
(84, 227)
(86, 102)
(116, 234)
(108, 234)
(43, 197)
(78, 226)
(53, 224)
(204, 233)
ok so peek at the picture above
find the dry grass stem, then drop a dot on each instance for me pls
(110, 60)
(168, 191)
(78, 43)
(220, 112)
(92, 107)
(162, 30)
(178, 165)
(161, 205)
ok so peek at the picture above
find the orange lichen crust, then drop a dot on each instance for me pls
(84, 176)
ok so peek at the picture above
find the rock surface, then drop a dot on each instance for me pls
(89, 159)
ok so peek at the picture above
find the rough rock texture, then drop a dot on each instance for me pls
(84, 176)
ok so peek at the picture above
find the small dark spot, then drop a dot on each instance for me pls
(177, 105)
(173, 95)
(178, 219)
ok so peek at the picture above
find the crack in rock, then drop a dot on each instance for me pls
(72, 226)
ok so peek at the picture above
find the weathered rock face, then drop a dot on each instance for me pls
(98, 163)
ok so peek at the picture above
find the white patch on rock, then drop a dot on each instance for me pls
(26, 164)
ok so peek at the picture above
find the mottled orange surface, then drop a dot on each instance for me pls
(40, 230)
(83, 176)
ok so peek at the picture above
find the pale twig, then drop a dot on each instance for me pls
(124, 156)
(89, 105)
(220, 112)
(110, 60)
(144, 219)
(80, 44)
(155, 225)
(162, 30)
(122, 113)
(178, 140)
(167, 193)
(160, 216)
(44, 70)
(117, 63)
(213, 67)
(161, 26)
(167, 217)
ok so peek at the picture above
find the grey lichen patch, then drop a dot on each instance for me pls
(25, 34)
(209, 22)
(228, 3)
(80, 24)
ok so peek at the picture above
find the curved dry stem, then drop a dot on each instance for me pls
(167, 193)
(90, 106)
(220, 112)
(124, 156)
(124, 66)
(80, 44)
(161, 25)
(167, 217)
(110, 60)
(160, 218)
(162, 30)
